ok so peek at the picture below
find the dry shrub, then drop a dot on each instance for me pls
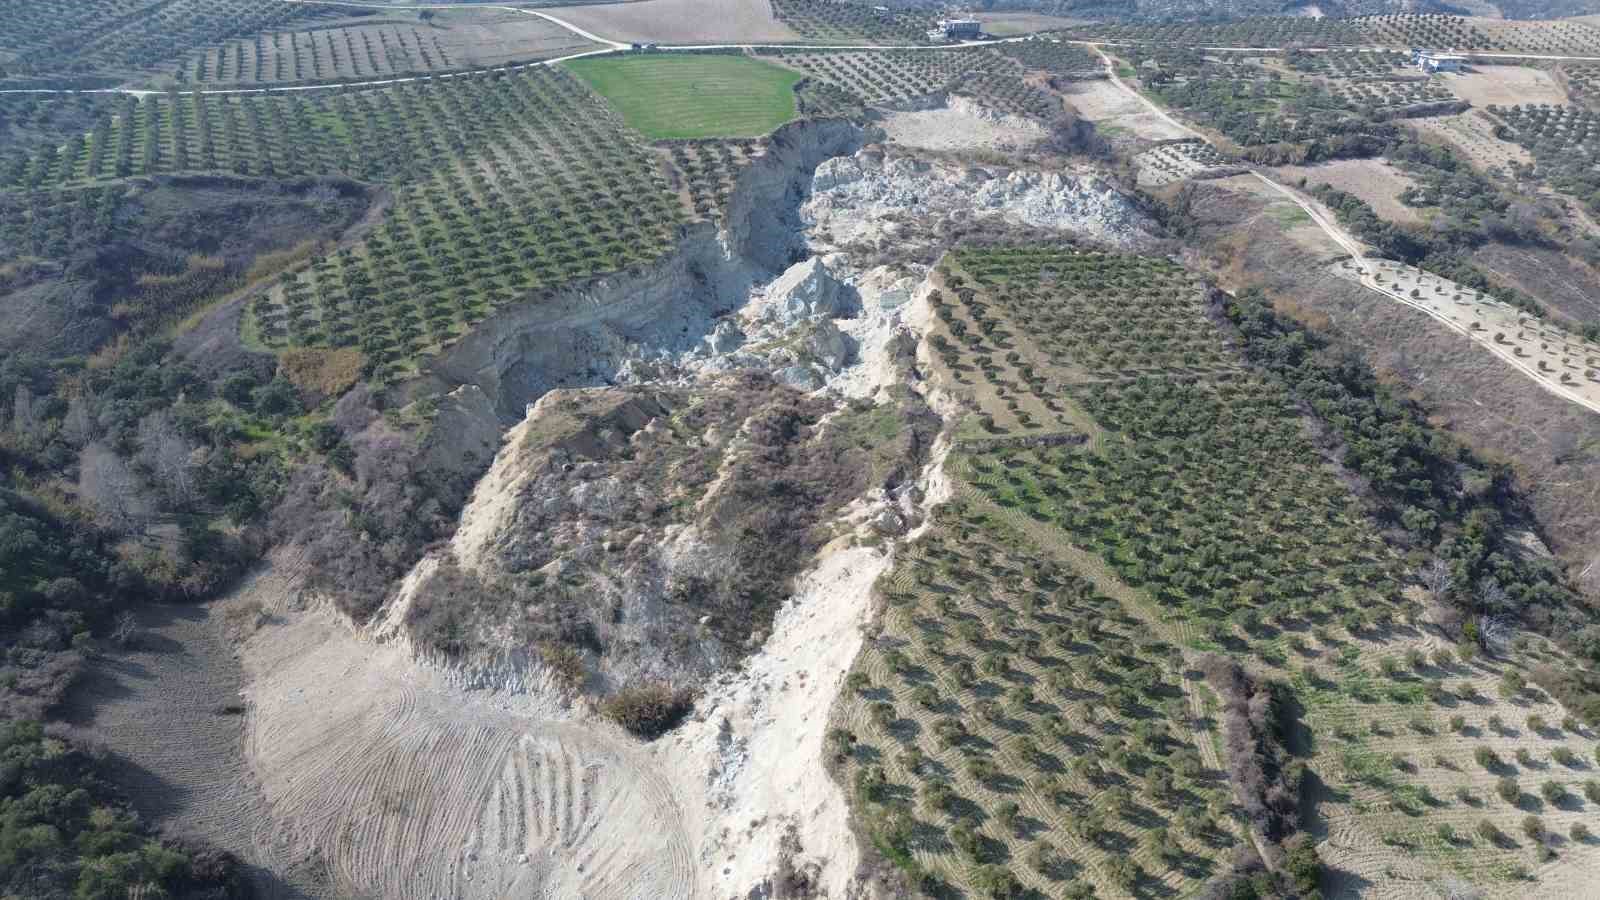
(648, 710)
(243, 618)
(319, 373)
(1265, 780)
(566, 662)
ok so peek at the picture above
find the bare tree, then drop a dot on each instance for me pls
(1436, 578)
(169, 455)
(126, 632)
(1492, 598)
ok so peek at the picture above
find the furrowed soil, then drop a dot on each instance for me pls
(681, 21)
(404, 785)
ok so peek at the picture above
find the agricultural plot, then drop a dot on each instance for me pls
(1488, 85)
(886, 77)
(1016, 726)
(560, 194)
(1258, 32)
(1118, 115)
(677, 96)
(1552, 354)
(30, 121)
(679, 21)
(1183, 498)
(1581, 81)
(363, 49)
(1430, 30)
(1375, 181)
(110, 36)
(1564, 141)
(395, 133)
(1013, 24)
(1055, 57)
(1178, 161)
(1242, 99)
(708, 171)
(1441, 766)
(1371, 82)
(843, 22)
(1473, 136)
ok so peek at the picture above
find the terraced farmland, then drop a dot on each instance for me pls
(896, 76)
(560, 194)
(1131, 493)
(393, 45)
(108, 36)
(836, 22)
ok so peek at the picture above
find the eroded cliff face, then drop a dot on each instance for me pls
(692, 429)
(647, 534)
(582, 337)
(712, 461)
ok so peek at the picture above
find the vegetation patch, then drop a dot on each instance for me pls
(693, 95)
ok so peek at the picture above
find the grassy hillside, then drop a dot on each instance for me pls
(693, 96)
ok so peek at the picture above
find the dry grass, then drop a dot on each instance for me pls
(1473, 135)
(1375, 181)
(1116, 112)
(1007, 24)
(322, 372)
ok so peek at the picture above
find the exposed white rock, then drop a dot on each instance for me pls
(805, 290)
(851, 195)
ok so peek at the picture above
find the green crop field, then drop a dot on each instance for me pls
(693, 96)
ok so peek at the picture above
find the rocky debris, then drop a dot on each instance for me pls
(807, 289)
(885, 287)
(853, 195)
(830, 346)
(725, 337)
(799, 376)
(466, 429)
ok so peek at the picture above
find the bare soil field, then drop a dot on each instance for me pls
(1117, 114)
(1375, 181)
(169, 711)
(403, 784)
(1007, 24)
(1486, 85)
(681, 21)
(961, 125)
(1473, 135)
